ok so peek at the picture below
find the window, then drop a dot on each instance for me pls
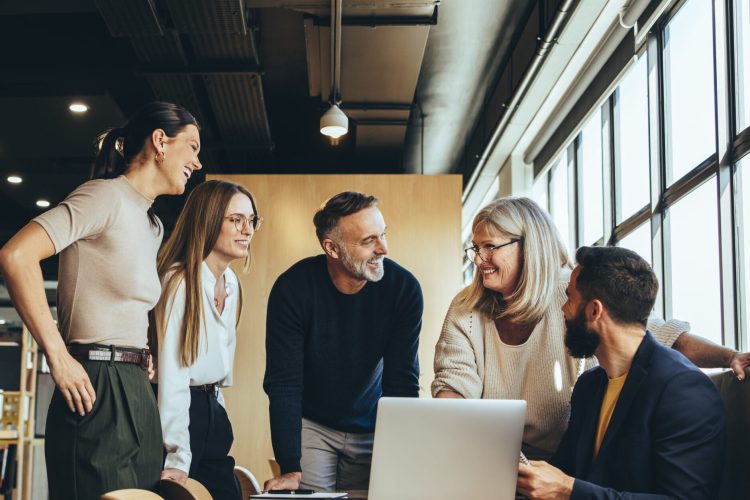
(742, 58)
(639, 241)
(689, 88)
(743, 205)
(559, 202)
(539, 191)
(665, 103)
(591, 169)
(694, 257)
(632, 163)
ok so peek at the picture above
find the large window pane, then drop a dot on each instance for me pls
(539, 191)
(742, 9)
(744, 216)
(695, 261)
(689, 92)
(633, 188)
(559, 202)
(639, 241)
(591, 197)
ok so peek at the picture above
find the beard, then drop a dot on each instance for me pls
(361, 269)
(580, 340)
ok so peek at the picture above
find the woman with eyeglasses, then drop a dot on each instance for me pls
(194, 325)
(504, 334)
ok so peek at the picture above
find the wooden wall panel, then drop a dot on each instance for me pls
(424, 235)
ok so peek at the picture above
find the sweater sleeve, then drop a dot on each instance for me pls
(174, 388)
(400, 359)
(283, 381)
(666, 332)
(456, 364)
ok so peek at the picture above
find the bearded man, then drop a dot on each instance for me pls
(342, 330)
(644, 424)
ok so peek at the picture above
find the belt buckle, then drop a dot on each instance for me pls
(145, 358)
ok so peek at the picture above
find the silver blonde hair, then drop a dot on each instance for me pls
(543, 256)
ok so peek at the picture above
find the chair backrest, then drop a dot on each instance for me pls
(736, 398)
(248, 484)
(131, 494)
(191, 490)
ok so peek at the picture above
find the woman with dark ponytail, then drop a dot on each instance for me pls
(103, 430)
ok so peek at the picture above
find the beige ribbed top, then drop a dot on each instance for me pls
(471, 359)
(107, 282)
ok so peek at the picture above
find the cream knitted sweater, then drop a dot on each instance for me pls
(471, 359)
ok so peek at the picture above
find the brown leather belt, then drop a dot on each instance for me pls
(97, 352)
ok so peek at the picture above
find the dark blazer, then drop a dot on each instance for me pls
(665, 438)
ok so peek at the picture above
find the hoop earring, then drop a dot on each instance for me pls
(160, 157)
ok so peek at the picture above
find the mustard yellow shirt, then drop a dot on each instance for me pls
(614, 387)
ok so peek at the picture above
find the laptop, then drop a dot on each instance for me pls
(445, 449)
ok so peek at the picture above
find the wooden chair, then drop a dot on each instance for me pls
(248, 484)
(191, 490)
(131, 494)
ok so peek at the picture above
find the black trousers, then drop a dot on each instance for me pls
(211, 438)
(117, 445)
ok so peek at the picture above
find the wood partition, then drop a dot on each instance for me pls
(423, 214)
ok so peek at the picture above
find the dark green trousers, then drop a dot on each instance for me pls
(117, 445)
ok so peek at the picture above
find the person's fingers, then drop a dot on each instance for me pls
(85, 397)
(90, 391)
(68, 398)
(77, 401)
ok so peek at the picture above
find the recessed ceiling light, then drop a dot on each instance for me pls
(15, 179)
(42, 203)
(78, 107)
(2, 321)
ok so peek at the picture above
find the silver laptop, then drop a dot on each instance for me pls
(446, 449)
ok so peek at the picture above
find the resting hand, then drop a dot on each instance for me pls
(739, 363)
(177, 475)
(73, 382)
(151, 372)
(541, 480)
(288, 481)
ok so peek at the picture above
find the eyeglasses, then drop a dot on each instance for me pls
(485, 252)
(240, 220)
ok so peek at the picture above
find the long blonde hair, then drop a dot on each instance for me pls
(181, 259)
(544, 255)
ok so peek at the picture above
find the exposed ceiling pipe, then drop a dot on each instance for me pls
(334, 123)
(335, 51)
(544, 46)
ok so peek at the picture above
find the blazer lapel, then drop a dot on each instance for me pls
(636, 376)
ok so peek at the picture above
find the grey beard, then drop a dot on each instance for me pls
(360, 269)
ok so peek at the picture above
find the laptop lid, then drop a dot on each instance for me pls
(444, 449)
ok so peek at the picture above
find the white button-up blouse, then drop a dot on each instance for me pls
(213, 364)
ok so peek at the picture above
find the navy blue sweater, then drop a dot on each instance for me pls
(330, 356)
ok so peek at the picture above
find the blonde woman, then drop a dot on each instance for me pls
(195, 321)
(503, 336)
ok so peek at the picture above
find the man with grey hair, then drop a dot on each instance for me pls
(342, 330)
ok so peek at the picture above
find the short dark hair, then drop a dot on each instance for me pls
(621, 279)
(349, 202)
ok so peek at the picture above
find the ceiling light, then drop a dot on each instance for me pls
(78, 107)
(42, 203)
(2, 321)
(334, 122)
(15, 179)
